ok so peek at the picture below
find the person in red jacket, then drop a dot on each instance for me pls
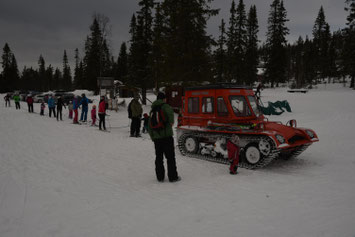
(29, 101)
(102, 112)
(233, 154)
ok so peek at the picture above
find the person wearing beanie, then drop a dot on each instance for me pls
(135, 114)
(163, 139)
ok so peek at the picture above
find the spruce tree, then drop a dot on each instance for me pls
(309, 61)
(97, 59)
(349, 44)
(187, 48)
(78, 71)
(10, 73)
(133, 57)
(321, 39)
(122, 64)
(57, 79)
(241, 43)
(231, 43)
(49, 77)
(299, 67)
(276, 44)
(42, 79)
(333, 71)
(145, 40)
(67, 83)
(221, 55)
(157, 58)
(251, 57)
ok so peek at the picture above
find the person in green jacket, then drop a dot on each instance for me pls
(164, 141)
(17, 101)
(135, 113)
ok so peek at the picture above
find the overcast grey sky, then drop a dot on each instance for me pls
(48, 27)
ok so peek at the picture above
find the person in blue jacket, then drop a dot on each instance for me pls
(51, 106)
(85, 107)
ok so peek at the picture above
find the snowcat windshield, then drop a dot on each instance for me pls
(255, 105)
(240, 106)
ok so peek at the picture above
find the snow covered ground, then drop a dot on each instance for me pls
(59, 179)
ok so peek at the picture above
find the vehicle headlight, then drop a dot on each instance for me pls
(310, 133)
(280, 138)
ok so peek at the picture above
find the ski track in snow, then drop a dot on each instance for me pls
(60, 179)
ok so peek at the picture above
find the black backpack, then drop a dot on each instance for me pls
(157, 118)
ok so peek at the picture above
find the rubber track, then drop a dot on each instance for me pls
(296, 152)
(264, 162)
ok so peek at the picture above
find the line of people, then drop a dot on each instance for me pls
(55, 108)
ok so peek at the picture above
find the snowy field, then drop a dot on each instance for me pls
(63, 180)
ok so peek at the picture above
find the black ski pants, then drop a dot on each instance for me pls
(102, 121)
(30, 108)
(165, 146)
(59, 113)
(52, 109)
(135, 126)
(17, 105)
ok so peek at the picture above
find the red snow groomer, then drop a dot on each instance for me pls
(211, 114)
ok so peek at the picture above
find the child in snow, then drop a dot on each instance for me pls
(70, 107)
(233, 154)
(93, 115)
(145, 122)
(43, 106)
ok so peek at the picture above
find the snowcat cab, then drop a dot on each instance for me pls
(211, 114)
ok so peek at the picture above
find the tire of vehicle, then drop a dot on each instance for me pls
(252, 154)
(191, 144)
(264, 147)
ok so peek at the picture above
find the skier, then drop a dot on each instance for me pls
(60, 105)
(135, 111)
(51, 106)
(75, 109)
(70, 107)
(7, 100)
(115, 104)
(102, 112)
(43, 106)
(145, 122)
(84, 111)
(29, 101)
(93, 115)
(233, 154)
(17, 101)
(163, 140)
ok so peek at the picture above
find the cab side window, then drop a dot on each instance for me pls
(221, 107)
(207, 105)
(193, 105)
